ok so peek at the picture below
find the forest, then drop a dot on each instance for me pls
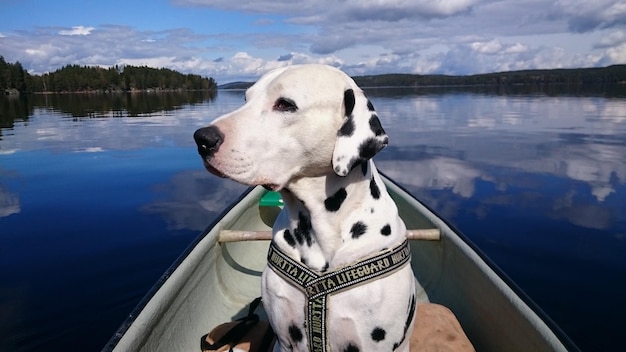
(74, 78)
(577, 77)
(609, 75)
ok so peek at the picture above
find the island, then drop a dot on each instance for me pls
(15, 80)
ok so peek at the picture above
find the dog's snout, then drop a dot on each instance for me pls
(208, 140)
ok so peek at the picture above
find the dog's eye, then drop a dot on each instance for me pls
(285, 105)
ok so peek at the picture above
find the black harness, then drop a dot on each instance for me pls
(317, 286)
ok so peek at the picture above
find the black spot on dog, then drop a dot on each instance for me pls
(408, 321)
(378, 334)
(347, 129)
(348, 101)
(364, 168)
(295, 333)
(333, 203)
(369, 148)
(289, 238)
(370, 106)
(325, 267)
(358, 229)
(351, 348)
(375, 125)
(303, 230)
(355, 162)
(386, 230)
(303, 260)
(298, 235)
(374, 190)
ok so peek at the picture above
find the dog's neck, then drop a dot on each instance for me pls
(324, 213)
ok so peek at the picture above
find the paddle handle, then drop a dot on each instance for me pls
(238, 236)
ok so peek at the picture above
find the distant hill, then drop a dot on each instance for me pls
(615, 74)
(236, 85)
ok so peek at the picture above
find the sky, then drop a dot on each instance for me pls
(232, 40)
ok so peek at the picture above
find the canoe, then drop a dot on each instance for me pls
(216, 278)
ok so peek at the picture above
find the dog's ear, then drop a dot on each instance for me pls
(360, 137)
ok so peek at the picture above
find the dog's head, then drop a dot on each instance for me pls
(297, 121)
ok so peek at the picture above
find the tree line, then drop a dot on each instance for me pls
(74, 78)
(578, 77)
(610, 75)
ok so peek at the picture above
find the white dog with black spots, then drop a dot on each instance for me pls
(310, 133)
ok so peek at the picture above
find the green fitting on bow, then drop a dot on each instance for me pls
(271, 199)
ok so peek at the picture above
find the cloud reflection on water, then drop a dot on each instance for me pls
(9, 203)
(192, 199)
(518, 144)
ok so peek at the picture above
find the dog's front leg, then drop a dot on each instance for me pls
(284, 304)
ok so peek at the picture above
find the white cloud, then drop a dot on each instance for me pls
(78, 30)
(358, 9)
(309, 11)
(616, 54)
(437, 173)
(613, 39)
(584, 15)
(377, 10)
(489, 48)
(35, 52)
(90, 150)
(516, 48)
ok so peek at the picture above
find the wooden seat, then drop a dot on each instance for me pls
(237, 236)
(437, 330)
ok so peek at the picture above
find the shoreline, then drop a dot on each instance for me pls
(99, 91)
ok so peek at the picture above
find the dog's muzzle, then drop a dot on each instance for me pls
(208, 140)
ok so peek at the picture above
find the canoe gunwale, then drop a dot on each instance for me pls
(527, 300)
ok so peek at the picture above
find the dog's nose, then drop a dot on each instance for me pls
(208, 140)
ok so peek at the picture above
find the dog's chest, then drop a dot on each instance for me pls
(340, 229)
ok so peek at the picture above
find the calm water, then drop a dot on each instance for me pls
(99, 195)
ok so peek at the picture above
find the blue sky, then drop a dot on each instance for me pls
(233, 40)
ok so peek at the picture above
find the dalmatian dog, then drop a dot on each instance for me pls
(310, 132)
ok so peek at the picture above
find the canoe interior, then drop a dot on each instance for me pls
(215, 282)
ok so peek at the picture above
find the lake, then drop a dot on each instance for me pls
(99, 194)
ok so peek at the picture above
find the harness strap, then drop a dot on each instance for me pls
(317, 286)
